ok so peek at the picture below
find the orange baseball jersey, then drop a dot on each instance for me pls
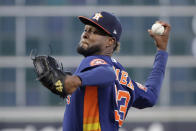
(108, 92)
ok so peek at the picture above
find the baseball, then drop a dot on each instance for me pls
(157, 28)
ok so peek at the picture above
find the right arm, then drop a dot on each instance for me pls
(148, 97)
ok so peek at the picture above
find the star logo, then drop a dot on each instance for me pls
(97, 16)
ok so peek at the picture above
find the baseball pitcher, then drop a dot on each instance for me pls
(100, 92)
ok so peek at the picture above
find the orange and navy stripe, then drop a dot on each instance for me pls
(91, 109)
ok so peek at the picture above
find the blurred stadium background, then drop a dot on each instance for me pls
(38, 24)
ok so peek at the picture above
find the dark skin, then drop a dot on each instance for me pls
(90, 38)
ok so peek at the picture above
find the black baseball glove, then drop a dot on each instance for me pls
(50, 74)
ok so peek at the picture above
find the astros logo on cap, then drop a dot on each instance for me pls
(97, 16)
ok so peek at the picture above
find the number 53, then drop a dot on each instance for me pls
(121, 112)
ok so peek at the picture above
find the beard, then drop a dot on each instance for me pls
(89, 51)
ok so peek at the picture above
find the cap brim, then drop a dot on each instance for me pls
(88, 21)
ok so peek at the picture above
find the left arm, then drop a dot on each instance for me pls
(96, 76)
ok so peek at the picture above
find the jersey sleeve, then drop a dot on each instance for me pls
(96, 71)
(147, 95)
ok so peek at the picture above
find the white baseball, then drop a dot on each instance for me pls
(157, 28)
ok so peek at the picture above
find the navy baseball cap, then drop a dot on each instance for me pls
(105, 21)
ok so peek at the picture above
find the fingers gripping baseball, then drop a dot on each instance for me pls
(161, 40)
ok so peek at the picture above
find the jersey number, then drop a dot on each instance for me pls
(120, 114)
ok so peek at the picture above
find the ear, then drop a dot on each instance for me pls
(110, 42)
